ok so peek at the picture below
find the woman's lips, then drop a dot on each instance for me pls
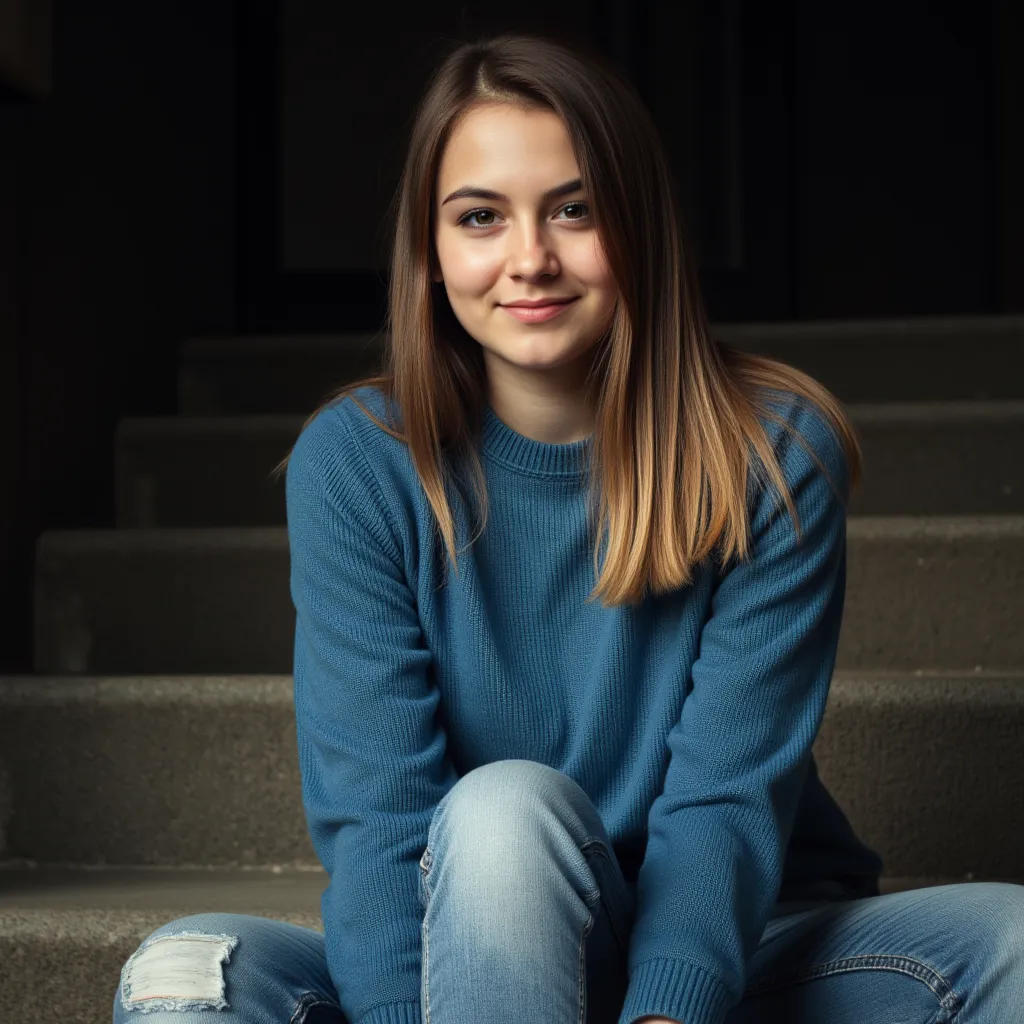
(534, 314)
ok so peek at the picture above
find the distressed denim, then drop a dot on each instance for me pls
(527, 917)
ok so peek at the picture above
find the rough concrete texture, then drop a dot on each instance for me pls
(169, 771)
(912, 359)
(174, 891)
(153, 771)
(922, 592)
(65, 965)
(934, 592)
(927, 458)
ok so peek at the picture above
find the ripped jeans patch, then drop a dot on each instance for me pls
(177, 972)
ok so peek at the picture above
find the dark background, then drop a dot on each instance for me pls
(191, 168)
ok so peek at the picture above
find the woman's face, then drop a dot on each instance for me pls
(522, 245)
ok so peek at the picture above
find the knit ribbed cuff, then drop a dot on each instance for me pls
(677, 990)
(392, 1013)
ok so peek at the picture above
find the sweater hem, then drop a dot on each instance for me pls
(392, 1013)
(677, 990)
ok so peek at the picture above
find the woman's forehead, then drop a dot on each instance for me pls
(504, 148)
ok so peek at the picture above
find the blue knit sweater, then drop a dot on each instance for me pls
(705, 782)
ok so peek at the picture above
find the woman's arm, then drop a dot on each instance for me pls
(372, 751)
(740, 752)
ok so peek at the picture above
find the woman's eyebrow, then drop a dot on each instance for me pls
(476, 192)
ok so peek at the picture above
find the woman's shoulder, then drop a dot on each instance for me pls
(332, 445)
(340, 425)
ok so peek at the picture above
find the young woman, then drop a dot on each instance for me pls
(573, 780)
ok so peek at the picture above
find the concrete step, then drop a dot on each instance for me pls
(920, 458)
(271, 373)
(203, 470)
(896, 360)
(64, 936)
(922, 592)
(201, 770)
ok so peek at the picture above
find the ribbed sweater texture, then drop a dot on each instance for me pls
(688, 719)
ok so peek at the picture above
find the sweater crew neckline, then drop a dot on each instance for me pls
(527, 456)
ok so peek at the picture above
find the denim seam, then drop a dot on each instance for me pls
(425, 958)
(940, 987)
(425, 875)
(583, 967)
(425, 935)
(598, 846)
(306, 1003)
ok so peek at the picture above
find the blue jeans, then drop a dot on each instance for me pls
(556, 902)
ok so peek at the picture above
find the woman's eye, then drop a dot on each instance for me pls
(577, 206)
(465, 218)
(475, 213)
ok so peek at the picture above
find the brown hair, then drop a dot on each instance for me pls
(676, 411)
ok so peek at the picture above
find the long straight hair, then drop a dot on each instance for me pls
(677, 413)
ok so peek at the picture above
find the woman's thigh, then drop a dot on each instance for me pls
(251, 969)
(924, 956)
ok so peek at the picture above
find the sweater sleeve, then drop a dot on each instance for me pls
(739, 754)
(372, 753)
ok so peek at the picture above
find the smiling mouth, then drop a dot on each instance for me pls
(533, 314)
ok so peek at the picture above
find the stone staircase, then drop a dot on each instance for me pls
(148, 768)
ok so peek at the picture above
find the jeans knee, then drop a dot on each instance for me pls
(1010, 930)
(508, 811)
(514, 782)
